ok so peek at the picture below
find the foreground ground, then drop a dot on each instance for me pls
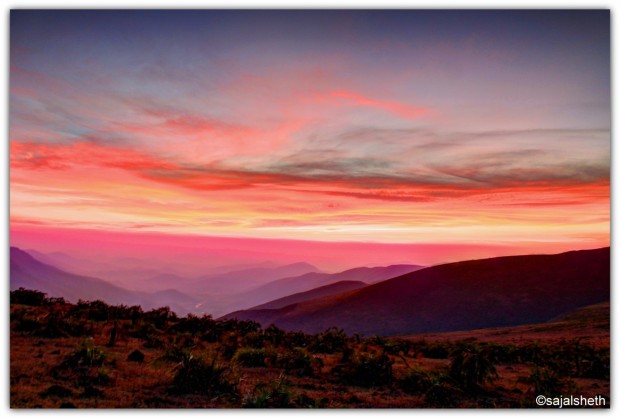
(94, 355)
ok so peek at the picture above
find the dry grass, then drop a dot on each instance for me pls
(148, 384)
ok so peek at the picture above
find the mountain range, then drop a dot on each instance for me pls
(215, 293)
(30, 273)
(502, 291)
(390, 300)
(293, 285)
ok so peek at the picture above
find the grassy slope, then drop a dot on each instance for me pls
(147, 384)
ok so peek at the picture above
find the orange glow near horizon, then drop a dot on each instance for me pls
(93, 186)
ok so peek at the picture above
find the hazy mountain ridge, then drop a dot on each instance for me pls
(246, 279)
(324, 291)
(493, 292)
(28, 272)
(309, 281)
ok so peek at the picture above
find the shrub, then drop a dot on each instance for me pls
(443, 394)
(194, 325)
(276, 394)
(547, 382)
(472, 366)
(296, 340)
(254, 340)
(297, 362)
(174, 353)
(433, 350)
(229, 344)
(416, 381)
(27, 297)
(366, 370)
(84, 366)
(159, 317)
(504, 353)
(250, 357)
(201, 376)
(328, 342)
(399, 347)
(88, 355)
(95, 310)
(56, 326)
(274, 335)
(24, 324)
(597, 365)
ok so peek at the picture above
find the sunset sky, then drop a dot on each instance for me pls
(432, 132)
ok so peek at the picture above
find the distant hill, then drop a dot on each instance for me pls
(503, 291)
(245, 279)
(302, 283)
(319, 292)
(30, 273)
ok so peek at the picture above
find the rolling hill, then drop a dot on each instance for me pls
(293, 285)
(319, 292)
(589, 324)
(503, 291)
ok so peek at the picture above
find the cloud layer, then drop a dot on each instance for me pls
(383, 129)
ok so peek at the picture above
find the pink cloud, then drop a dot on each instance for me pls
(350, 98)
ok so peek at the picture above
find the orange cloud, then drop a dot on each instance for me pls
(60, 156)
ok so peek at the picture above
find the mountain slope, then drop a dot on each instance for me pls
(589, 324)
(294, 285)
(475, 294)
(30, 273)
(319, 292)
(242, 280)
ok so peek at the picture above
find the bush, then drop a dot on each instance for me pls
(88, 355)
(274, 335)
(297, 362)
(200, 376)
(416, 381)
(84, 366)
(472, 366)
(159, 317)
(296, 340)
(228, 345)
(547, 382)
(329, 342)
(433, 350)
(597, 365)
(28, 297)
(366, 370)
(254, 340)
(443, 394)
(25, 324)
(95, 310)
(276, 394)
(194, 325)
(250, 357)
(174, 353)
(399, 347)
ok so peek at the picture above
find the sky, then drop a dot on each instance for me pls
(421, 136)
